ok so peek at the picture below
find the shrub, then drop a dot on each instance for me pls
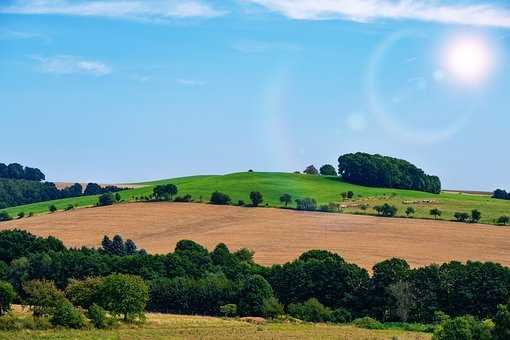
(503, 220)
(4, 216)
(327, 170)
(341, 315)
(386, 210)
(350, 194)
(106, 199)
(325, 208)
(271, 308)
(220, 198)
(66, 315)
(475, 216)
(52, 208)
(502, 321)
(10, 322)
(254, 290)
(125, 295)
(83, 293)
(97, 316)
(410, 211)
(286, 199)
(186, 198)
(228, 310)
(240, 203)
(435, 212)
(42, 297)
(311, 311)
(69, 207)
(21, 214)
(7, 294)
(307, 204)
(461, 216)
(256, 198)
(368, 323)
(464, 327)
(165, 192)
(118, 198)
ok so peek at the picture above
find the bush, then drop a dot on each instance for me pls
(461, 216)
(42, 297)
(386, 210)
(311, 311)
(436, 213)
(271, 308)
(83, 293)
(475, 216)
(307, 204)
(66, 315)
(21, 214)
(368, 323)
(97, 316)
(7, 294)
(254, 291)
(502, 321)
(186, 198)
(10, 322)
(228, 310)
(240, 203)
(4, 216)
(256, 198)
(327, 170)
(341, 315)
(325, 208)
(503, 220)
(106, 199)
(52, 208)
(220, 198)
(286, 199)
(311, 170)
(69, 207)
(165, 192)
(410, 211)
(125, 295)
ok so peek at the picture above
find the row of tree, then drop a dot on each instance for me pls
(18, 171)
(192, 280)
(501, 194)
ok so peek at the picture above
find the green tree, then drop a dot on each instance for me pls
(410, 211)
(286, 199)
(52, 208)
(475, 216)
(311, 170)
(83, 293)
(256, 198)
(165, 192)
(307, 204)
(503, 220)
(436, 213)
(42, 297)
(4, 216)
(461, 216)
(118, 198)
(97, 316)
(271, 308)
(228, 310)
(254, 290)
(7, 295)
(220, 198)
(327, 170)
(66, 315)
(502, 323)
(106, 199)
(311, 311)
(125, 295)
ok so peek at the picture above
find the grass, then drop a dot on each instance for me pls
(161, 326)
(324, 189)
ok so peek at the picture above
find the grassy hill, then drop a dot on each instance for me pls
(323, 189)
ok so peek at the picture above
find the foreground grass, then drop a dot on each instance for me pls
(160, 326)
(323, 189)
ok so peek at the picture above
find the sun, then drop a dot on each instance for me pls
(468, 59)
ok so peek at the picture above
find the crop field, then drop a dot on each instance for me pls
(162, 326)
(276, 235)
(322, 188)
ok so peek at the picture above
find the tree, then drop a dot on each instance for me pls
(350, 194)
(327, 170)
(386, 210)
(42, 297)
(4, 216)
(125, 295)
(307, 204)
(311, 311)
(83, 293)
(106, 199)
(256, 198)
(52, 208)
(286, 198)
(435, 212)
(118, 246)
(165, 192)
(93, 189)
(311, 170)
(475, 216)
(130, 247)
(7, 295)
(66, 315)
(118, 198)
(410, 211)
(461, 216)
(271, 308)
(503, 220)
(254, 290)
(401, 292)
(220, 198)
(97, 316)
(502, 323)
(15, 171)
(228, 310)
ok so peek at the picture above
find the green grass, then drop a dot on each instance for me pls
(323, 189)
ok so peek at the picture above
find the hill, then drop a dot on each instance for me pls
(324, 189)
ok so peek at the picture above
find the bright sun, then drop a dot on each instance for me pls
(468, 59)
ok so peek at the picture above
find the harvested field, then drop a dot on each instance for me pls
(276, 235)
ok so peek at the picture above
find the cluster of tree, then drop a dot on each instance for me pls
(193, 280)
(18, 171)
(501, 194)
(19, 192)
(325, 170)
(382, 171)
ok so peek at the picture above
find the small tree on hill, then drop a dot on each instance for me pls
(4, 216)
(475, 216)
(436, 213)
(503, 220)
(256, 198)
(220, 198)
(311, 170)
(327, 170)
(165, 192)
(52, 208)
(106, 199)
(286, 198)
(410, 211)
(125, 295)
(461, 216)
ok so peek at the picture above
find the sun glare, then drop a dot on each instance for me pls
(468, 59)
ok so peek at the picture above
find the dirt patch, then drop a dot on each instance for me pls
(276, 235)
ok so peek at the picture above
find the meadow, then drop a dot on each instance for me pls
(324, 189)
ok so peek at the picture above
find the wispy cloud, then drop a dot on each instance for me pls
(7, 34)
(66, 64)
(475, 14)
(153, 10)
(253, 46)
(190, 82)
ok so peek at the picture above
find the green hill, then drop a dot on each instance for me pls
(323, 189)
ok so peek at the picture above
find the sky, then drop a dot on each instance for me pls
(127, 90)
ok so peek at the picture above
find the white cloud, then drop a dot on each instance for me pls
(7, 34)
(66, 64)
(475, 14)
(190, 82)
(154, 10)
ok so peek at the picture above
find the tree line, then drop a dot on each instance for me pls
(317, 286)
(18, 171)
(501, 194)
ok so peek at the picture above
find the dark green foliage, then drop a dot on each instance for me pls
(461, 216)
(93, 189)
(381, 171)
(307, 204)
(475, 216)
(327, 170)
(410, 211)
(165, 192)
(18, 243)
(97, 316)
(4, 216)
(106, 199)
(69, 207)
(502, 323)
(503, 220)
(254, 290)
(17, 171)
(256, 198)
(228, 310)
(271, 308)
(368, 323)
(186, 198)
(311, 170)
(311, 311)
(52, 208)
(42, 297)
(118, 198)
(7, 295)
(66, 315)
(21, 214)
(286, 199)
(83, 293)
(436, 213)
(386, 210)
(125, 295)
(464, 328)
(74, 190)
(341, 315)
(117, 246)
(501, 194)
(220, 198)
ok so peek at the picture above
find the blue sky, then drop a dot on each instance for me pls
(119, 91)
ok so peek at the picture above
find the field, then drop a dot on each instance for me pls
(276, 235)
(161, 326)
(323, 189)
